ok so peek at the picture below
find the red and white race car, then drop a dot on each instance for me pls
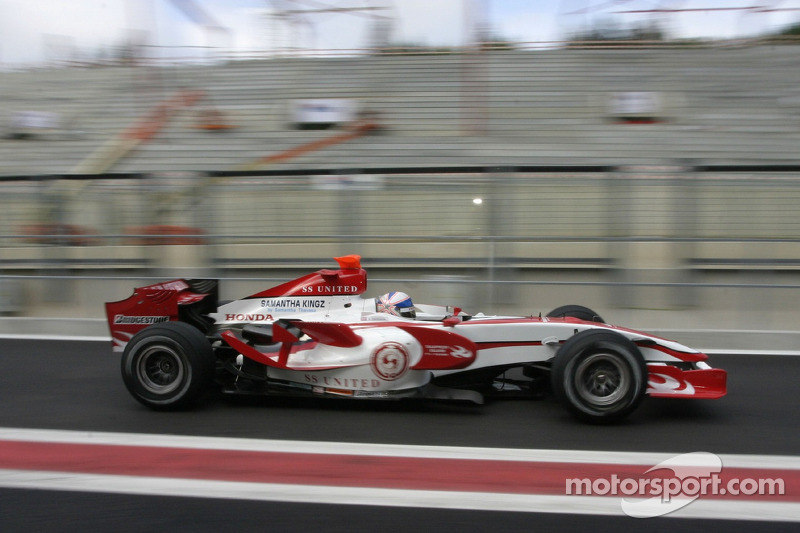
(317, 336)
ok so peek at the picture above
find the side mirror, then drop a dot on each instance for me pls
(451, 321)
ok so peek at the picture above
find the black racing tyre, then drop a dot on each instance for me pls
(168, 366)
(576, 311)
(599, 376)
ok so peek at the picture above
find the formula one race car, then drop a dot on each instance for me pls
(317, 336)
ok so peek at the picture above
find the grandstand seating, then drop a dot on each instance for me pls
(731, 105)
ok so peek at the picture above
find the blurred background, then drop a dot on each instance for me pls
(639, 157)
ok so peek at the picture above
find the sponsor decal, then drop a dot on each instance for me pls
(291, 305)
(123, 319)
(120, 340)
(460, 352)
(445, 350)
(330, 289)
(346, 383)
(389, 361)
(248, 317)
(177, 285)
(662, 383)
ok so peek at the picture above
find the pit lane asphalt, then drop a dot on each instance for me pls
(76, 386)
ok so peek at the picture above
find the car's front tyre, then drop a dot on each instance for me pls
(599, 375)
(168, 366)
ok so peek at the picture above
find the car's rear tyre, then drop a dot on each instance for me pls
(599, 376)
(168, 366)
(576, 311)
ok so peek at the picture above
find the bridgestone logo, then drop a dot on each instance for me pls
(122, 319)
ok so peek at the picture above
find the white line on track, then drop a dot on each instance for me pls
(789, 462)
(443, 499)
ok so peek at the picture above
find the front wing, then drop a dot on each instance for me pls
(668, 381)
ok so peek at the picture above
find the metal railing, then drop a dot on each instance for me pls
(471, 204)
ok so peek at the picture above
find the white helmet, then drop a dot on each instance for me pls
(398, 304)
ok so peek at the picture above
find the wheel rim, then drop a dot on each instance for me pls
(602, 380)
(160, 369)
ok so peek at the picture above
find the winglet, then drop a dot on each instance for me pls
(349, 262)
(330, 333)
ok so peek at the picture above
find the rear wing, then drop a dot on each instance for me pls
(184, 300)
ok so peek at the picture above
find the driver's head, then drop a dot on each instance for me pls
(398, 304)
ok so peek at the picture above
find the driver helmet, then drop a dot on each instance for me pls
(398, 304)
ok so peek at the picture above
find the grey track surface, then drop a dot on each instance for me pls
(76, 385)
